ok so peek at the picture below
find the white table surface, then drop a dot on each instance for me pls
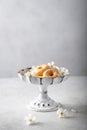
(15, 95)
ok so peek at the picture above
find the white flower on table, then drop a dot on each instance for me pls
(61, 112)
(30, 119)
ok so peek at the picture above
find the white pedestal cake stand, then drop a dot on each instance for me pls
(43, 103)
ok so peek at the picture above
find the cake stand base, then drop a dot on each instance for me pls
(43, 103)
(44, 106)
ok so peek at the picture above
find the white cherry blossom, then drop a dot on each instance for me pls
(61, 112)
(30, 119)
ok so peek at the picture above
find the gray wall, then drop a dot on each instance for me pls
(38, 31)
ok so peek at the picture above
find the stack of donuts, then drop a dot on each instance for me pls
(45, 71)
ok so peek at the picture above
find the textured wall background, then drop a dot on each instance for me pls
(38, 31)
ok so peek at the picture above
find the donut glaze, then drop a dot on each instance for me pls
(40, 70)
(51, 73)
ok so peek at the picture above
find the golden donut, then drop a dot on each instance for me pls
(40, 69)
(51, 73)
